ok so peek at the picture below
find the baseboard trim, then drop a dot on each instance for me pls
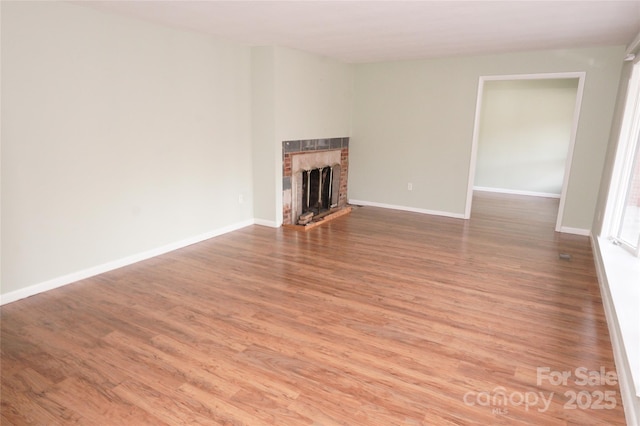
(575, 231)
(115, 264)
(516, 192)
(268, 223)
(406, 209)
(630, 400)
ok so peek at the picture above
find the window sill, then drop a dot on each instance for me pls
(622, 272)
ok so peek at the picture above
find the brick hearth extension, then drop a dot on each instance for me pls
(297, 147)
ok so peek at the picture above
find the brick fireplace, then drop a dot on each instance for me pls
(304, 159)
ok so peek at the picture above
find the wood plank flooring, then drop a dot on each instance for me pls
(377, 318)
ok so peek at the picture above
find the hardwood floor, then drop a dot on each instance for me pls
(377, 318)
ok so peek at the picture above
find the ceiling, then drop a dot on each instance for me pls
(370, 31)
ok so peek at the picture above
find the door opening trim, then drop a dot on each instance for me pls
(574, 130)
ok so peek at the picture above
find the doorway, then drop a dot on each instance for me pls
(522, 154)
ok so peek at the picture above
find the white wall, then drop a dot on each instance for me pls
(118, 137)
(525, 130)
(307, 97)
(264, 152)
(413, 122)
(314, 96)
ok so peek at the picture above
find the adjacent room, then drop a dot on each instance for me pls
(320, 213)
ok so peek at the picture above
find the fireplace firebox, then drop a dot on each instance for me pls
(317, 190)
(314, 178)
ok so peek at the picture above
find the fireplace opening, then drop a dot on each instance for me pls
(314, 180)
(317, 190)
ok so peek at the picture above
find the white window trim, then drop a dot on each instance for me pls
(624, 161)
(618, 269)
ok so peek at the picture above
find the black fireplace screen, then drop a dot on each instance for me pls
(317, 190)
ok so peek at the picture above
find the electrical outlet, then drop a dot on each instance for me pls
(240, 199)
(410, 186)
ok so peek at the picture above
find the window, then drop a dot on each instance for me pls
(629, 228)
(624, 226)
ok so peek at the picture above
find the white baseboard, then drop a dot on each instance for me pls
(629, 395)
(268, 223)
(516, 192)
(575, 231)
(115, 264)
(406, 209)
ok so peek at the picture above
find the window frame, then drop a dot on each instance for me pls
(627, 150)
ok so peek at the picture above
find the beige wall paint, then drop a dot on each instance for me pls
(118, 137)
(314, 96)
(413, 122)
(524, 134)
(264, 133)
